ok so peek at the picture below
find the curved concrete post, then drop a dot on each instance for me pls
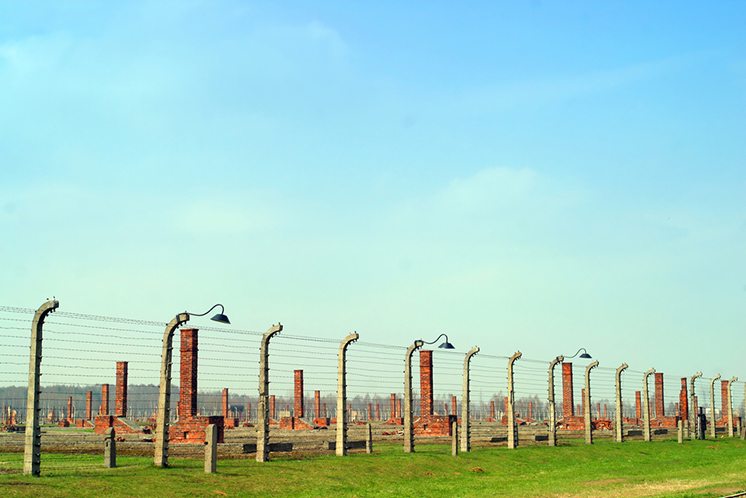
(693, 418)
(262, 409)
(619, 419)
(465, 415)
(552, 436)
(646, 405)
(587, 412)
(342, 414)
(512, 428)
(160, 454)
(712, 405)
(730, 406)
(32, 446)
(408, 410)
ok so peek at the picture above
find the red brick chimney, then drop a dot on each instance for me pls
(638, 405)
(225, 403)
(378, 411)
(724, 399)
(272, 407)
(393, 405)
(89, 405)
(121, 390)
(188, 374)
(568, 403)
(492, 409)
(104, 409)
(660, 409)
(426, 383)
(298, 391)
(70, 413)
(317, 403)
(454, 406)
(683, 401)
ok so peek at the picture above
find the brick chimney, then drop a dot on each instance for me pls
(426, 383)
(638, 405)
(317, 403)
(225, 403)
(568, 403)
(393, 405)
(121, 390)
(188, 374)
(272, 407)
(660, 409)
(104, 409)
(724, 399)
(454, 405)
(683, 401)
(298, 391)
(88, 405)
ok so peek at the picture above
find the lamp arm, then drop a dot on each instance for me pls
(436, 339)
(222, 309)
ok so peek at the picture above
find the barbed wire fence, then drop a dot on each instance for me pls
(84, 380)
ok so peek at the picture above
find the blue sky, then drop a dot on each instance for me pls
(523, 175)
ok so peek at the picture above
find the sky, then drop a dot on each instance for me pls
(534, 176)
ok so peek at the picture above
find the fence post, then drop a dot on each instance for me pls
(408, 401)
(619, 422)
(211, 449)
(646, 405)
(680, 430)
(262, 413)
(32, 446)
(730, 407)
(512, 429)
(160, 453)
(454, 438)
(465, 400)
(341, 449)
(587, 415)
(712, 405)
(692, 422)
(369, 439)
(110, 448)
(552, 437)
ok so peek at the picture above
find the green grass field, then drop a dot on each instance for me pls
(661, 468)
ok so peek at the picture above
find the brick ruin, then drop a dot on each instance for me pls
(395, 417)
(723, 420)
(428, 423)
(118, 420)
(493, 415)
(576, 421)
(190, 427)
(319, 420)
(660, 419)
(229, 421)
(295, 421)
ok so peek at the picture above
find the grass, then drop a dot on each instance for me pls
(661, 468)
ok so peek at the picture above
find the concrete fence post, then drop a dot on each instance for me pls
(211, 449)
(160, 453)
(342, 415)
(110, 448)
(369, 439)
(730, 406)
(712, 405)
(465, 400)
(454, 438)
(552, 436)
(408, 399)
(692, 422)
(619, 420)
(512, 428)
(646, 405)
(32, 444)
(262, 409)
(587, 411)
(680, 430)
